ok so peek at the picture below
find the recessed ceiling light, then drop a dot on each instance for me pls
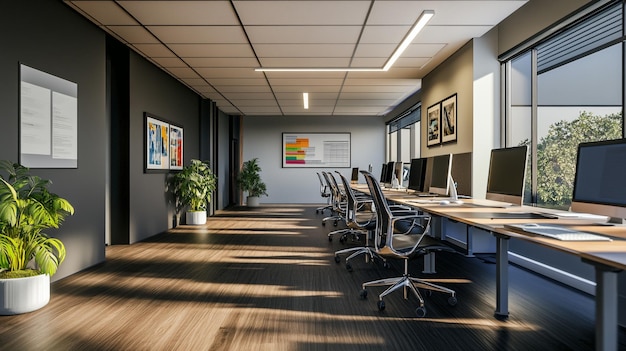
(421, 22)
(305, 98)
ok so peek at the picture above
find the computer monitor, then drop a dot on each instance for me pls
(417, 174)
(398, 171)
(599, 186)
(383, 173)
(388, 174)
(507, 174)
(440, 176)
(355, 175)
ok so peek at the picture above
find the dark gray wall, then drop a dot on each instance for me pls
(49, 36)
(154, 91)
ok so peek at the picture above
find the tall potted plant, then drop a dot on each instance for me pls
(249, 180)
(192, 187)
(28, 257)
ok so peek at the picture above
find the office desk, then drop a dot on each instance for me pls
(608, 258)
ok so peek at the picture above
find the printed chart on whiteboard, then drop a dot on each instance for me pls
(316, 150)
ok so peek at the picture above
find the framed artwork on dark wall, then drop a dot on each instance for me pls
(433, 119)
(163, 145)
(448, 119)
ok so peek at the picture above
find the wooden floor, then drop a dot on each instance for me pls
(266, 280)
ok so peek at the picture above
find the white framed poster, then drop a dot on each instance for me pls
(48, 120)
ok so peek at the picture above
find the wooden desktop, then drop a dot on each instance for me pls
(608, 258)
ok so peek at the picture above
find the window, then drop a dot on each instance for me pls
(562, 91)
(403, 141)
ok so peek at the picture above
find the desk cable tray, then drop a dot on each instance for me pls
(556, 232)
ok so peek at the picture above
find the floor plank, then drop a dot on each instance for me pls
(265, 279)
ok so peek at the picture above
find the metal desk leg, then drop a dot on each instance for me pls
(606, 308)
(502, 277)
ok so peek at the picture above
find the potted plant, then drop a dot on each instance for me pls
(28, 256)
(249, 180)
(192, 187)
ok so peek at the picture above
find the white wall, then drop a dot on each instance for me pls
(262, 138)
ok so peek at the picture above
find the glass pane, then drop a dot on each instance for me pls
(577, 102)
(519, 122)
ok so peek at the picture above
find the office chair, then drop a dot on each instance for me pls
(337, 201)
(402, 236)
(360, 220)
(325, 193)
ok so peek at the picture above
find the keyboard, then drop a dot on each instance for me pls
(557, 232)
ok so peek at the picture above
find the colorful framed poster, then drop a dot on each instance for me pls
(176, 147)
(164, 145)
(328, 150)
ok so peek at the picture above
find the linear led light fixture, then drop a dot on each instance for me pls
(305, 99)
(421, 22)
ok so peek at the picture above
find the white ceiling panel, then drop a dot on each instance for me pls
(134, 34)
(304, 13)
(214, 47)
(104, 12)
(189, 13)
(199, 34)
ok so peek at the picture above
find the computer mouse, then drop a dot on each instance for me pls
(444, 202)
(458, 202)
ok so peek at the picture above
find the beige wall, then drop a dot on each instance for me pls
(532, 18)
(455, 75)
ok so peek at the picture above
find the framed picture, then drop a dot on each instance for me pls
(316, 150)
(448, 119)
(433, 118)
(176, 147)
(164, 145)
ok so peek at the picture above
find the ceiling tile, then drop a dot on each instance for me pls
(302, 12)
(200, 34)
(181, 12)
(104, 12)
(212, 50)
(134, 34)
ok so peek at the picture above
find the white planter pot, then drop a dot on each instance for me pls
(21, 295)
(196, 217)
(252, 201)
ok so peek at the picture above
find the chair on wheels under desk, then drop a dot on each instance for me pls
(337, 201)
(325, 193)
(360, 220)
(391, 240)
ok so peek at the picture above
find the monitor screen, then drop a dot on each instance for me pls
(440, 175)
(417, 174)
(383, 172)
(388, 174)
(599, 186)
(507, 173)
(355, 175)
(462, 173)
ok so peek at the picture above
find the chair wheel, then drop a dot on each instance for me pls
(420, 311)
(452, 301)
(343, 239)
(323, 223)
(335, 223)
(349, 266)
(330, 238)
(363, 294)
(337, 259)
(381, 305)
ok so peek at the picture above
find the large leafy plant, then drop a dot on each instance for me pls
(249, 178)
(193, 186)
(26, 209)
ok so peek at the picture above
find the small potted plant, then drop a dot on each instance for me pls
(192, 187)
(28, 257)
(249, 180)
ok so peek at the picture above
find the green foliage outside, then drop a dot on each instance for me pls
(556, 154)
